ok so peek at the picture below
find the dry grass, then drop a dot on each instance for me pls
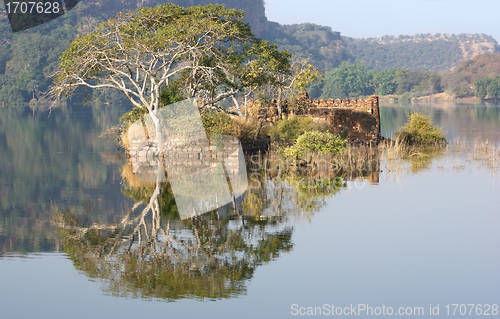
(480, 154)
(403, 159)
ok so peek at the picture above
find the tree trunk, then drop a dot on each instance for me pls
(237, 106)
(278, 104)
(259, 127)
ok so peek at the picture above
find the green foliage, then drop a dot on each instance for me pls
(481, 86)
(420, 52)
(318, 142)
(353, 81)
(170, 95)
(323, 46)
(11, 95)
(493, 89)
(290, 129)
(384, 82)
(419, 82)
(348, 80)
(220, 123)
(306, 75)
(487, 87)
(420, 130)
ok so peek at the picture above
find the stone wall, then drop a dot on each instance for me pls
(359, 119)
(182, 157)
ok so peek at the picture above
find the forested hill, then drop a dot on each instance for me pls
(325, 47)
(437, 52)
(328, 48)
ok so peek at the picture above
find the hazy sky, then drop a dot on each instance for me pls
(375, 18)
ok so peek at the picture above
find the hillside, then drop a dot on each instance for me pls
(460, 82)
(420, 52)
(102, 10)
(325, 47)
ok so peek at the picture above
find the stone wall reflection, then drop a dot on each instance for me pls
(152, 252)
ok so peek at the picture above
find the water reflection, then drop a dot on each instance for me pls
(153, 252)
(128, 234)
(53, 160)
(468, 123)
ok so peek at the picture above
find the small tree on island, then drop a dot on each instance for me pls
(208, 52)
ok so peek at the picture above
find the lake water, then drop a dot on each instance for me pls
(407, 237)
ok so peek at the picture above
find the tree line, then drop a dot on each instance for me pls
(353, 81)
(478, 77)
(28, 58)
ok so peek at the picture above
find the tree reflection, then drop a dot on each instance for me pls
(417, 158)
(149, 252)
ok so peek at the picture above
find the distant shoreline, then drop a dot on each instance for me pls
(438, 98)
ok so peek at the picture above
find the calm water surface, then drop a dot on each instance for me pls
(462, 122)
(396, 236)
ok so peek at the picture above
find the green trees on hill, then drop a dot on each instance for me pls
(324, 47)
(27, 58)
(420, 52)
(27, 62)
(353, 81)
(487, 87)
(479, 76)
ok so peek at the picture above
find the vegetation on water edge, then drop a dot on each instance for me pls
(487, 87)
(420, 130)
(318, 142)
(289, 130)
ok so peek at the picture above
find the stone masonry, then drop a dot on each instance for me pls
(358, 119)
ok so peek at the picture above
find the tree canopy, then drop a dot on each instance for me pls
(207, 51)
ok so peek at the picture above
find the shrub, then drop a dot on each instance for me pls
(420, 130)
(290, 129)
(220, 123)
(320, 142)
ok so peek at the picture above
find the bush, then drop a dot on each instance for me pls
(320, 142)
(420, 130)
(220, 123)
(290, 129)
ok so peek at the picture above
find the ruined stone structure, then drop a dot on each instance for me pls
(184, 157)
(358, 119)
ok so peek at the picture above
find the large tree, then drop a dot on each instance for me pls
(208, 51)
